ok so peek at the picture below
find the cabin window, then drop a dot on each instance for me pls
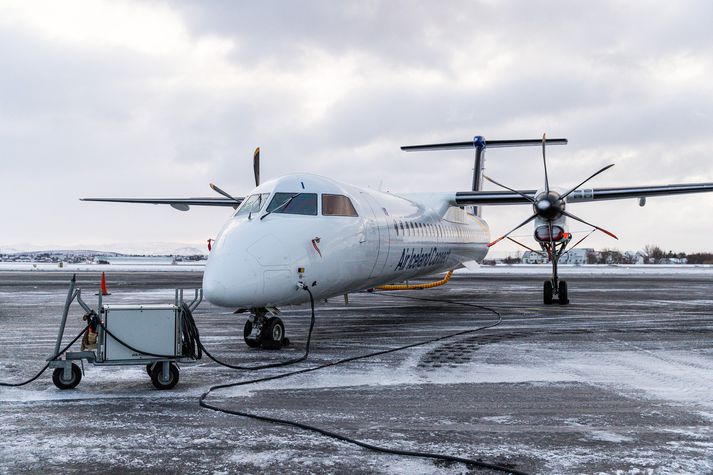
(252, 204)
(294, 203)
(337, 205)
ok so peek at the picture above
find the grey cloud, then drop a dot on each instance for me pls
(77, 120)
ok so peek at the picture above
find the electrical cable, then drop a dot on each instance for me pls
(192, 346)
(187, 313)
(334, 435)
(17, 385)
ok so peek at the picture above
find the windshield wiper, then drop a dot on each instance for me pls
(287, 202)
(259, 205)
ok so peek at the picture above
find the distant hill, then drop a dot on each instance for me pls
(111, 249)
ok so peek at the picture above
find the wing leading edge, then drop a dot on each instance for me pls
(481, 198)
(181, 204)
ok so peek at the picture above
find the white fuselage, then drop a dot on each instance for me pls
(258, 262)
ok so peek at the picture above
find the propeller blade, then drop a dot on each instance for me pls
(544, 161)
(589, 224)
(256, 166)
(585, 181)
(512, 230)
(585, 237)
(219, 191)
(509, 189)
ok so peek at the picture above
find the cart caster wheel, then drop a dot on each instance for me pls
(148, 369)
(547, 292)
(71, 383)
(157, 376)
(562, 294)
(273, 335)
(247, 330)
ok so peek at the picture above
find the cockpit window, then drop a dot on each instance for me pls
(253, 204)
(299, 203)
(337, 205)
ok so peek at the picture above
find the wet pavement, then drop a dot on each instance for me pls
(620, 381)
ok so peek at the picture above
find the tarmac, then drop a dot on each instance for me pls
(619, 381)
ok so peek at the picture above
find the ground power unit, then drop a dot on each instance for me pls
(157, 336)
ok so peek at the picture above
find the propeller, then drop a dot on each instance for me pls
(215, 188)
(513, 230)
(256, 166)
(549, 205)
(256, 171)
(544, 162)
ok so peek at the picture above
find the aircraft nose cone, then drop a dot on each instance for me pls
(232, 279)
(232, 276)
(250, 266)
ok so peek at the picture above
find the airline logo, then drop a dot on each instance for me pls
(413, 259)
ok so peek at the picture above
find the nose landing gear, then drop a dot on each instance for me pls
(264, 332)
(555, 288)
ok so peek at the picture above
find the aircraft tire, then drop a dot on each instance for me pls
(562, 295)
(273, 334)
(547, 293)
(247, 330)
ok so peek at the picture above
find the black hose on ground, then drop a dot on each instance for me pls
(192, 347)
(188, 316)
(17, 385)
(334, 435)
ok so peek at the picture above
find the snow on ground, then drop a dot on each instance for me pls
(519, 269)
(592, 269)
(617, 382)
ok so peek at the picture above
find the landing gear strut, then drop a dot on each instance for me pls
(264, 332)
(555, 288)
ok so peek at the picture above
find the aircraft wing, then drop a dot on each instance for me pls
(481, 198)
(181, 204)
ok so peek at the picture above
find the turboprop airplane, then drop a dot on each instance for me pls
(307, 230)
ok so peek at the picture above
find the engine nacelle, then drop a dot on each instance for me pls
(542, 233)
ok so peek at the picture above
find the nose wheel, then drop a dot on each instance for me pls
(263, 332)
(555, 289)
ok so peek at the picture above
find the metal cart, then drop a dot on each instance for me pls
(149, 335)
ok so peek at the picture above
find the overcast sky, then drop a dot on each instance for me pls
(149, 98)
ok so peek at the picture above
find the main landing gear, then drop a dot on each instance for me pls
(263, 331)
(555, 289)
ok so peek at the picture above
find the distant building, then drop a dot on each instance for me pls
(530, 257)
(576, 256)
(635, 257)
